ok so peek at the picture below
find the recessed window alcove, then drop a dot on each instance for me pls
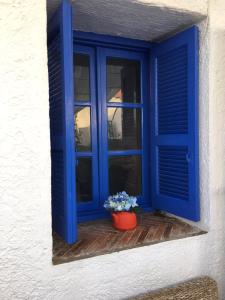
(123, 79)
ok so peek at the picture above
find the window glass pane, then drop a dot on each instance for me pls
(123, 80)
(125, 174)
(124, 128)
(81, 77)
(84, 179)
(82, 128)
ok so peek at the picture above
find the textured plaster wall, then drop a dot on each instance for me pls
(26, 271)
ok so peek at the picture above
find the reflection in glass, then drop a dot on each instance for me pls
(125, 174)
(81, 77)
(82, 128)
(124, 128)
(123, 80)
(84, 179)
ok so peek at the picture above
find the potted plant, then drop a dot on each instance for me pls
(123, 209)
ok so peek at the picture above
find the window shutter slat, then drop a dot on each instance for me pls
(60, 64)
(174, 84)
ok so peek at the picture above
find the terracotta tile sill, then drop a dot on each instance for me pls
(99, 237)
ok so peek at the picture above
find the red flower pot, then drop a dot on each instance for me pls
(124, 220)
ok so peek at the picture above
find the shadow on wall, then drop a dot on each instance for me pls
(128, 18)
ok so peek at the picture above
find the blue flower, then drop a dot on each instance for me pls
(120, 202)
(127, 206)
(133, 201)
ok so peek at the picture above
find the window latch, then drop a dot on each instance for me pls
(188, 157)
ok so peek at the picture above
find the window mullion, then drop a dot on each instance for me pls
(102, 126)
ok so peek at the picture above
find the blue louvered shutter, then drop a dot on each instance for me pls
(174, 85)
(60, 65)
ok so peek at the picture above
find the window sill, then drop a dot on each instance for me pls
(99, 237)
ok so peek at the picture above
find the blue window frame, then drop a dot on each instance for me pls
(106, 161)
(90, 103)
(167, 109)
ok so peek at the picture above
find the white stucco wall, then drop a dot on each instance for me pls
(26, 271)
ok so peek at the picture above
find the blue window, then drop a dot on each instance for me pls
(124, 116)
(111, 126)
